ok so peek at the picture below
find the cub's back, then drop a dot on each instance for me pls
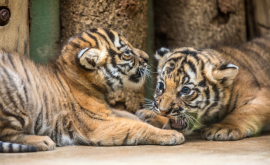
(252, 58)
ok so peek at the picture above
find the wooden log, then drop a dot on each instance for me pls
(128, 17)
(14, 36)
(199, 23)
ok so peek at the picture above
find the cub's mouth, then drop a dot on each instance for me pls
(140, 73)
(179, 125)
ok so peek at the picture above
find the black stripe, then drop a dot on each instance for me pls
(10, 146)
(38, 123)
(110, 35)
(190, 106)
(56, 132)
(209, 108)
(84, 40)
(188, 52)
(109, 83)
(20, 148)
(21, 101)
(80, 122)
(6, 112)
(192, 67)
(94, 38)
(70, 132)
(3, 57)
(184, 78)
(73, 44)
(215, 89)
(8, 90)
(45, 101)
(59, 80)
(32, 149)
(235, 102)
(28, 148)
(122, 65)
(7, 136)
(195, 97)
(202, 83)
(116, 77)
(13, 85)
(26, 94)
(93, 30)
(11, 60)
(112, 53)
(169, 111)
(25, 71)
(174, 59)
(1, 147)
(126, 138)
(92, 114)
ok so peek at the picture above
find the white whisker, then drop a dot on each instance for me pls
(194, 119)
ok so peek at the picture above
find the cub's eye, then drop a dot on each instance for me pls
(160, 88)
(185, 90)
(127, 52)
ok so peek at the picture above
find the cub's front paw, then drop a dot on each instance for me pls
(221, 132)
(152, 118)
(145, 114)
(170, 137)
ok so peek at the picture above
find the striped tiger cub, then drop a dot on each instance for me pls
(64, 103)
(223, 91)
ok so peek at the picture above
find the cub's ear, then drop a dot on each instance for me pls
(90, 58)
(161, 52)
(225, 74)
(162, 55)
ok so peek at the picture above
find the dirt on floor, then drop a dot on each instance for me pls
(249, 151)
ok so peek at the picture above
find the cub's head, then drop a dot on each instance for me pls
(192, 86)
(102, 58)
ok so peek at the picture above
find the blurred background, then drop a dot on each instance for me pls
(38, 28)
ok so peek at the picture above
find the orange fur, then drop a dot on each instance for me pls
(65, 103)
(225, 89)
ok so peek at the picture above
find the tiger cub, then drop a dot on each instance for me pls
(64, 103)
(225, 90)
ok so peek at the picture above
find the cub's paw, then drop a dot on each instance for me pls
(152, 118)
(221, 132)
(43, 143)
(170, 137)
(145, 114)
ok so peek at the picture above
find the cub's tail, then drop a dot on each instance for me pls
(6, 147)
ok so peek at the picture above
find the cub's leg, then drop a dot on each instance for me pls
(15, 120)
(122, 131)
(43, 143)
(152, 118)
(244, 121)
(13, 128)
(125, 114)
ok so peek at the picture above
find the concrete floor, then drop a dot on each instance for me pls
(255, 150)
